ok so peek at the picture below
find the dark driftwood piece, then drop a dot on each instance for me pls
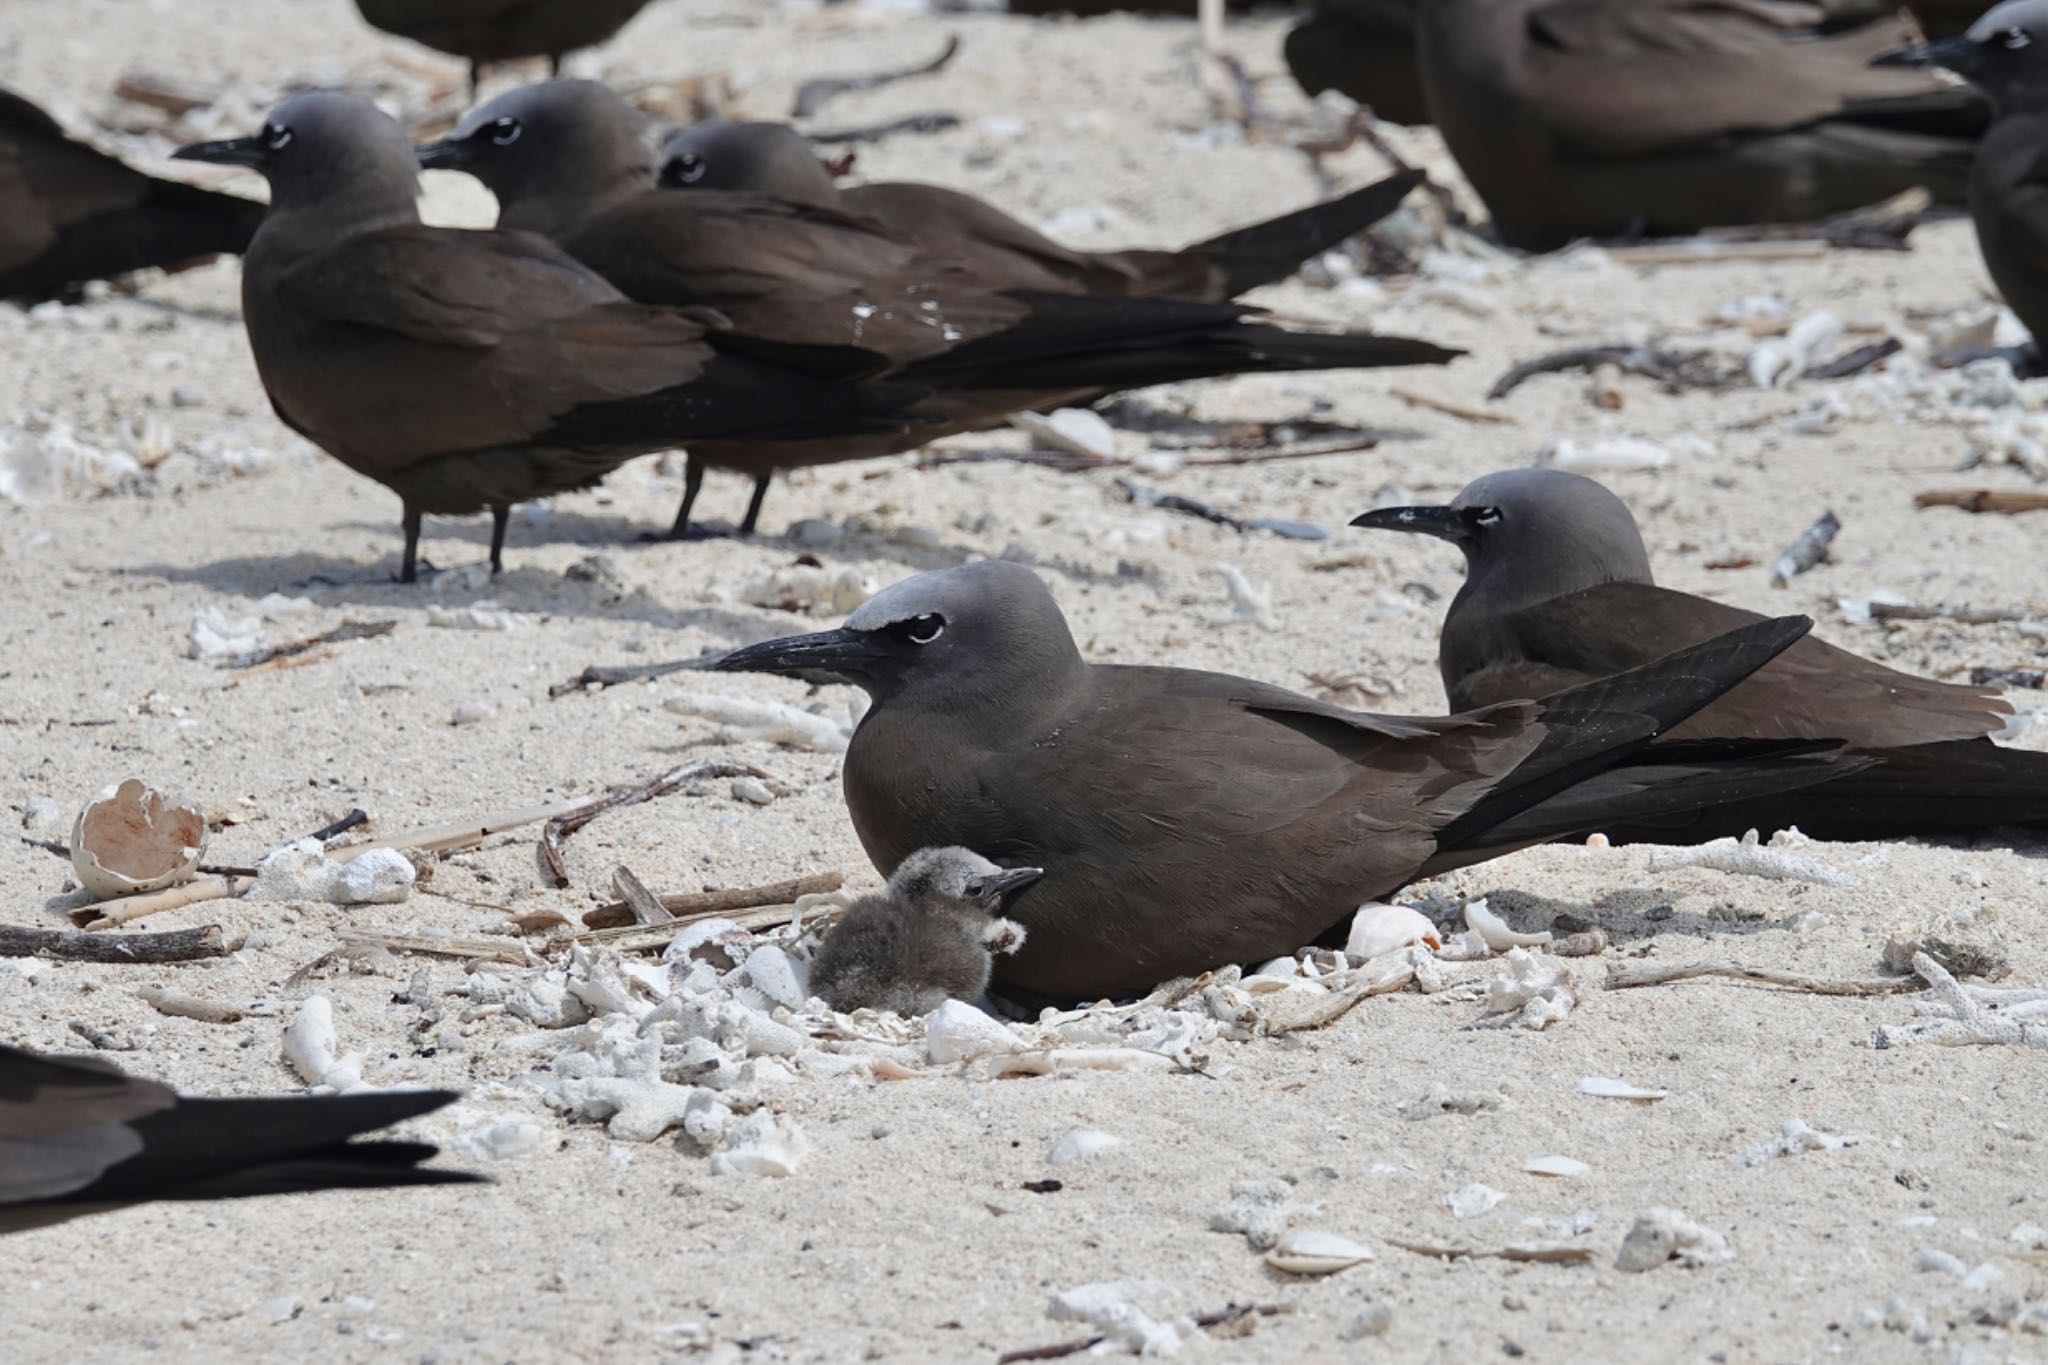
(179, 945)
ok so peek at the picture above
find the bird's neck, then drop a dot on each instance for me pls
(572, 200)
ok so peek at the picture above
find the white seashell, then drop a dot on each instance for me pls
(1307, 1251)
(773, 973)
(1607, 1089)
(1557, 1167)
(1079, 431)
(1378, 929)
(761, 1144)
(958, 1032)
(133, 838)
(1470, 1201)
(1495, 931)
(1081, 1144)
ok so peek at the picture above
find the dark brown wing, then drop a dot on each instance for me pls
(1812, 691)
(64, 1122)
(1623, 78)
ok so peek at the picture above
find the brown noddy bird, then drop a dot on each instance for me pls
(482, 31)
(69, 213)
(802, 282)
(1558, 592)
(1188, 819)
(77, 1136)
(774, 159)
(926, 938)
(2005, 54)
(1364, 49)
(1604, 118)
(465, 369)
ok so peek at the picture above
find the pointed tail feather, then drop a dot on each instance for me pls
(1273, 250)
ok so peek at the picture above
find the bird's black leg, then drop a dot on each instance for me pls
(499, 516)
(409, 567)
(693, 483)
(554, 66)
(754, 504)
(476, 78)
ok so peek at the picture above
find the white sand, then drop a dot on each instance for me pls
(906, 1235)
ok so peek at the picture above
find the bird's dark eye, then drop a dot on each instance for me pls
(2015, 39)
(922, 630)
(276, 136)
(975, 889)
(504, 131)
(687, 169)
(1485, 516)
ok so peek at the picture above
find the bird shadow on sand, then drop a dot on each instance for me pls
(1629, 913)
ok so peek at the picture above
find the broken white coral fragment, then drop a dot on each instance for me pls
(1746, 857)
(1260, 1209)
(1378, 929)
(1310, 1251)
(214, 634)
(1527, 991)
(1247, 603)
(761, 1144)
(1081, 1144)
(310, 1043)
(749, 719)
(810, 589)
(1496, 932)
(132, 838)
(958, 1032)
(302, 871)
(1605, 1088)
(474, 616)
(1795, 1136)
(1113, 1310)
(1663, 1235)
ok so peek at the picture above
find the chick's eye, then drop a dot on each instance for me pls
(688, 168)
(922, 630)
(276, 136)
(505, 131)
(2015, 39)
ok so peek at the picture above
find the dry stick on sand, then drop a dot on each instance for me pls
(481, 949)
(1222, 1317)
(2006, 500)
(1546, 1255)
(463, 833)
(639, 900)
(106, 914)
(1965, 616)
(640, 938)
(1415, 399)
(551, 853)
(1628, 978)
(179, 945)
(692, 905)
(596, 677)
(347, 630)
(813, 93)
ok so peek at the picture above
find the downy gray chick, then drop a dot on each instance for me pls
(924, 938)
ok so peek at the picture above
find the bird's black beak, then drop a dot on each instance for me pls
(844, 654)
(234, 151)
(445, 155)
(1954, 54)
(1445, 523)
(991, 889)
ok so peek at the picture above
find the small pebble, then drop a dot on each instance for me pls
(1373, 1320)
(473, 712)
(752, 790)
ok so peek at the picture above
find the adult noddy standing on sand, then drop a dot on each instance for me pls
(1558, 592)
(77, 1137)
(467, 370)
(801, 282)
(1604, 118)
(2005, 54)
(775, 160)
(484, 31)
(1187, 819)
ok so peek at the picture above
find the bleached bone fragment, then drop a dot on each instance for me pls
(1499, 937)
(1748, 858)
(1662, 1235)
(755, 719)
(1795, 1136)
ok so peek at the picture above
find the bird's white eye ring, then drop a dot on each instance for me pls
(1486, 516)
(505, 131)
(689, 168)
(922, 630)
(276, 137)
(2016, 38)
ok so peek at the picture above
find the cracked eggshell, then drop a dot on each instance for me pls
(1378, 929)
(133, 838)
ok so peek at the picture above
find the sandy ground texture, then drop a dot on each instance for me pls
(145, 484)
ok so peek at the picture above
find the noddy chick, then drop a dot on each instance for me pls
(77, 1136)
(467, 370)
(1558, 593)
(69, 214)
(924, 939)
(1188, 819)
(501, 30)
(2005, 54)
(1603, 118)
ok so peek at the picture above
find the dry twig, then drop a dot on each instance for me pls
(179, 945)
(691, 905)
(106, 914)
(2006, 500)
(1630, 977)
